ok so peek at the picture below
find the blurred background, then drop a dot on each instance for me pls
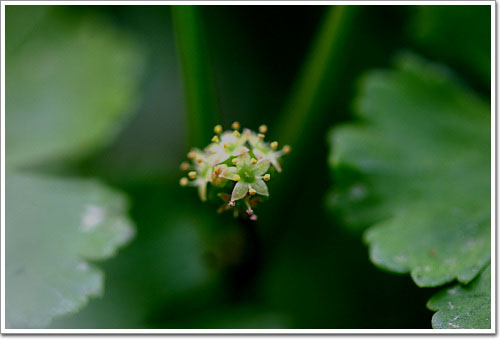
(294, 68)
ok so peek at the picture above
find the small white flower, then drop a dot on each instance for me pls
(234, 157)
(228, 145)
(264, 150)
(248, 175)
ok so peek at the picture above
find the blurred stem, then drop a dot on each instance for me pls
(243, 276)
(316, 82)
(199, 86)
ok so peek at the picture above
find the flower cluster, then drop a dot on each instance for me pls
(237, 165)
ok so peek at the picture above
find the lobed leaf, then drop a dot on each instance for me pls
(423, 151)
(461, 306)
(70, 82)
(415, 171)
(54, 226)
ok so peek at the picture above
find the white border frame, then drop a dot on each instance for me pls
(256, 331)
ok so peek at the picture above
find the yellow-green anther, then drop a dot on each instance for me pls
(218, 129)
(184, 181)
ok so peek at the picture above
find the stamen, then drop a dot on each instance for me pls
(184, 166)
(253, 161)
(234, 161)
(191, 155)
(184, 181)
(215, 139)
(235, 125)
(227, 145)
(192, 174)
(236, 133)
(274, 145)
(232, 203)
(261, 136)
(249, 211)
(267, 177)
(218, 129)
(247, 203)
(263, 129)
(251, 191)
(287, 149)
(253, 217)
(236, 177)
(199, 160)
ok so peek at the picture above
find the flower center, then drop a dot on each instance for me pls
(230, 148)
(247, 175)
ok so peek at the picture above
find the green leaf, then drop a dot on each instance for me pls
(53, 226)
(175, 266)
(464, 306)
(419, 169)
(70, 82)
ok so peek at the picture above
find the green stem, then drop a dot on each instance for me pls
(307, 114)
(199, 86)
(300, 117)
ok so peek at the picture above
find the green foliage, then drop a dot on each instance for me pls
(172, 264)
(70, 81)
(189, 267)
(464, 306)
(53, 226)
(417, 166)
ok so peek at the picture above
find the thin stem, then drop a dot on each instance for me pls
(306, 115)
(301, 115)
(200, 93)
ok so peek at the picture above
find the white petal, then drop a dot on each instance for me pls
(261, 167)
(239, 191)
(218, 157)
(202, 190)
(243, 160)
(228, 138)
(229, 173)
(240, 150)
(258, 153)
(275, 163)
(260, 186)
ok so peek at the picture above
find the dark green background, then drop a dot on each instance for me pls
(298, 267)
